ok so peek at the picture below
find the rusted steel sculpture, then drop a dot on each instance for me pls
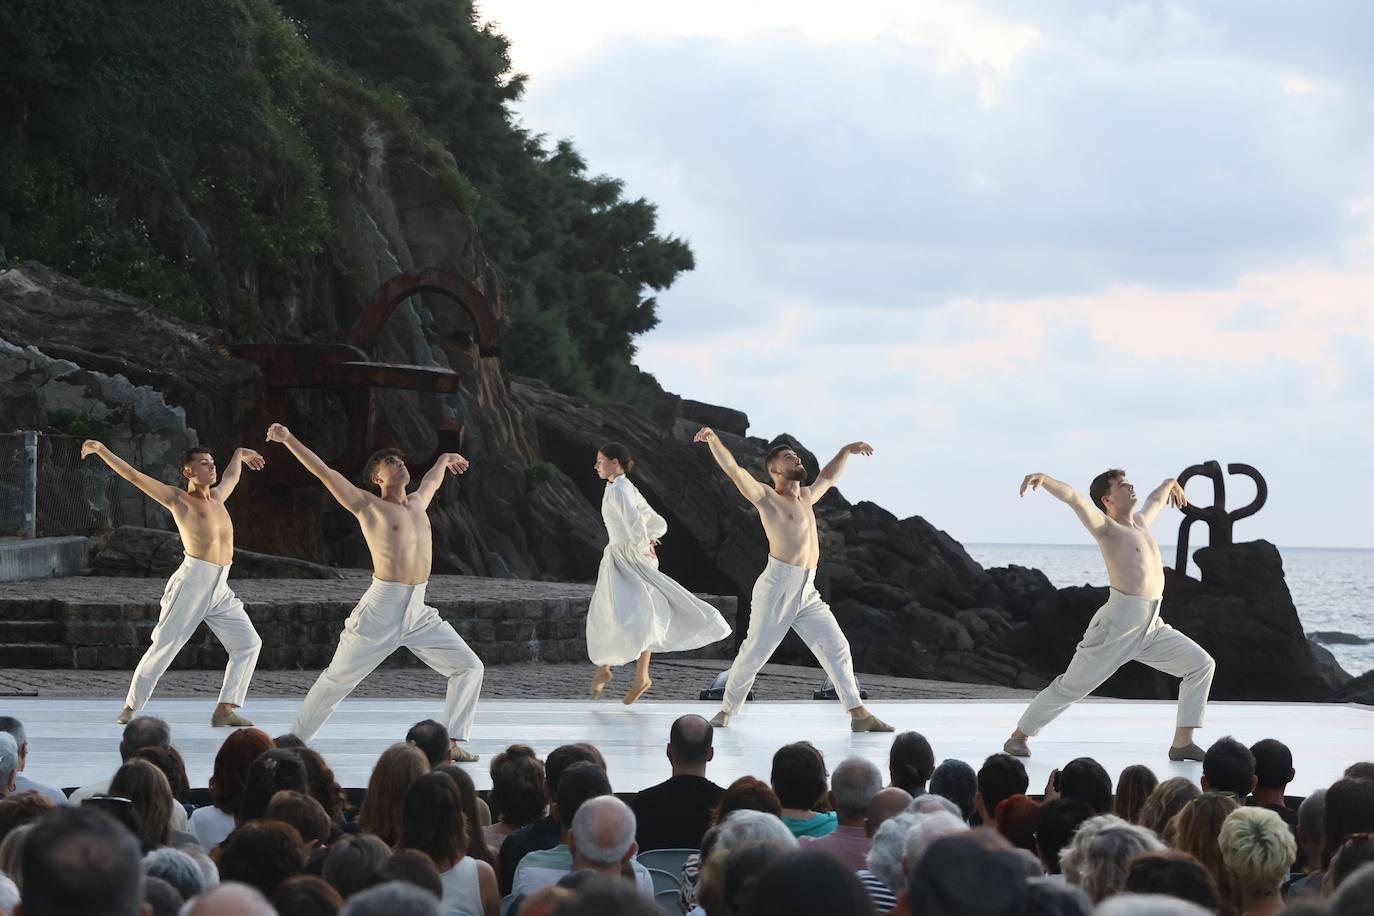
(349, 371)
(1220, 522)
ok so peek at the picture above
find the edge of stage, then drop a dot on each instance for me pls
(75, 742)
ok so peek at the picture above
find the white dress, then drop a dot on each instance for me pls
(636, 608)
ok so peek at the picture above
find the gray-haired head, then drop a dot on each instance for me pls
(1097, 857)
(9, 760)
(394, 898)
(1353, 896)
(603, 831)
(177, 869)
(1052, 897)
(853, 784)
(1310, 816)
(12, 726)
(889, 845)
(926, 830)
(1149, 905)
(930, 803)
(753, 828)
(209, 871)
(230, 899)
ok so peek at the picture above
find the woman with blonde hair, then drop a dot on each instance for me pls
(1165, 801)
(142, 783)
(392, 776)
(1196, 829)
(1257, 850)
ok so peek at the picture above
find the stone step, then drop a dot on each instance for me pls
(30, 631)
(36, 655)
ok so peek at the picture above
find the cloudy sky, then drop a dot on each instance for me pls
(995, 238)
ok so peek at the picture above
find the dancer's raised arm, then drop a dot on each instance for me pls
(230, 479)
(1092, 517)
(350, 497)
(831, 472)
(1167, 493)
(162, 494)
(452, 462)
(750, 488)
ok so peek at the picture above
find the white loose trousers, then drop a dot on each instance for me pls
(388, 616)
(199, 591)
(1126, 628)
(785, 597)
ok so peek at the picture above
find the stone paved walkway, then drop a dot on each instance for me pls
(674, 679)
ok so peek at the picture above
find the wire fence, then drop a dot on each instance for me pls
(71, 496)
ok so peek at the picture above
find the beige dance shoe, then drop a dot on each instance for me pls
(870, 723)
(1189, 751)
(720, 719)
(126, 715)
(1017, 747)
(229, 719)
(462, 755)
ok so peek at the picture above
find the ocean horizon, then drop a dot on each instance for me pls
(1332, 587)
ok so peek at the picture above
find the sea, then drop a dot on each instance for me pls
(1332, 588)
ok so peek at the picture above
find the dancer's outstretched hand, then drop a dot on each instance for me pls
(252, 459)
(859, 448)
(89, 448)
(277, 433)
(705, 434)
(454, 462)
(1177, 498)
(1033, 481)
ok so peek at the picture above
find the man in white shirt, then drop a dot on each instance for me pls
(141, 732)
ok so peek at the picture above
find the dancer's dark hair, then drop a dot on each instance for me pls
(617, 452)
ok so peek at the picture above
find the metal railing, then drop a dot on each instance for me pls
(46, 489)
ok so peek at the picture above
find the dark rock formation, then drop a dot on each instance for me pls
(1359, 690)
(149, 553)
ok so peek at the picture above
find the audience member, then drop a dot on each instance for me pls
(517, 792)
(142, 783)
(141, 732)
(473, 810)
(433, 823)
(924, 832)
(798, 777)
(888, 876)
(395, 772)
(231, 900)
(1164, 803)
(262, 854)
(1355, 893)
(415, 867)
(1273, 772)
(80, 860)
(1362, 770)
(728, 877)
(1228, 766)
(889, 803)
(173, 766)
(12, 852)
(1309, 881)
(910, 763)
(1257, 851)
(353, 862)
(1001, 776)
(1356, 851)
(1149, 905)
(433, 741)
(853, 786)
(22, 808)
(1175, 874)
(160, 898)
(546, 832)
(957, 877)
(274, 771)
(809, 882)
(306, 895)
(1133, 786)
(177, 868)
(1053, 897)
(674, 814)
(303, 813)
(213, 822)
(1055, 824)
(394, 898)
(744, 794)
(1097, 857)
(1085, 780)
(1196, 829)
(600, 896)
(9, 764)
(22, 783)
(1016, 818)
(956, 781)
(1347, 809)
(602, 838)
(322, 786)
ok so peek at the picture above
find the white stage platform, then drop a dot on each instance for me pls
(75, 741)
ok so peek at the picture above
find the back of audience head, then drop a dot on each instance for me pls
(1355, 852)
(1164, 803)
(601, 895)
(1133, 786)
(321, 783)
(303, 813)
(22, 808)
(9, 763)
(956, 781)
(1175, 874)
(392, 898)
(415, 867)
(233, 760)
(746, 794)
(564, 756)
(161, 898)
(1353, 896)
(807, 884)
(1348, 808)
(1195, 830)
(468, 799)
(1273, 764)
(603, 833)
(1362, 770)
(1001, 776)
(924, 832)
(1310, 812)
(886, 803)
(727, 878)
(910, 762)
(1228, 766)
(958, 877)
(232, 899)
(545, 901)
(689, 742)
(109, 881)
(170, 762)
(749, 828)
(353, 862)
(888, 849)
(1149, 905)
(1085, 779)
(1055, 824)
(392, 776)
(144, 784)
(141, 732)
(177, 868)
(433, 741)
(852, 787)
(1015, 818)
(262, 854)
(580, 782)
(1097, 857)
(306, 895)
(432, 820)
(517, 785)
(798, 775)
(273, 771)
(288, 741)
(1051, 897)
(1257, 849)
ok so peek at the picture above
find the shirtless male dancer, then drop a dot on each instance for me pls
(392, 612)
(1127, 627)
(199, 589)
(785, 594)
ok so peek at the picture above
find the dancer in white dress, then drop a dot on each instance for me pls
(637, 610)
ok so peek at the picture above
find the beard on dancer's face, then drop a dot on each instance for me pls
(792, 473)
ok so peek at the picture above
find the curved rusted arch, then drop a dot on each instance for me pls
(430, 280)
